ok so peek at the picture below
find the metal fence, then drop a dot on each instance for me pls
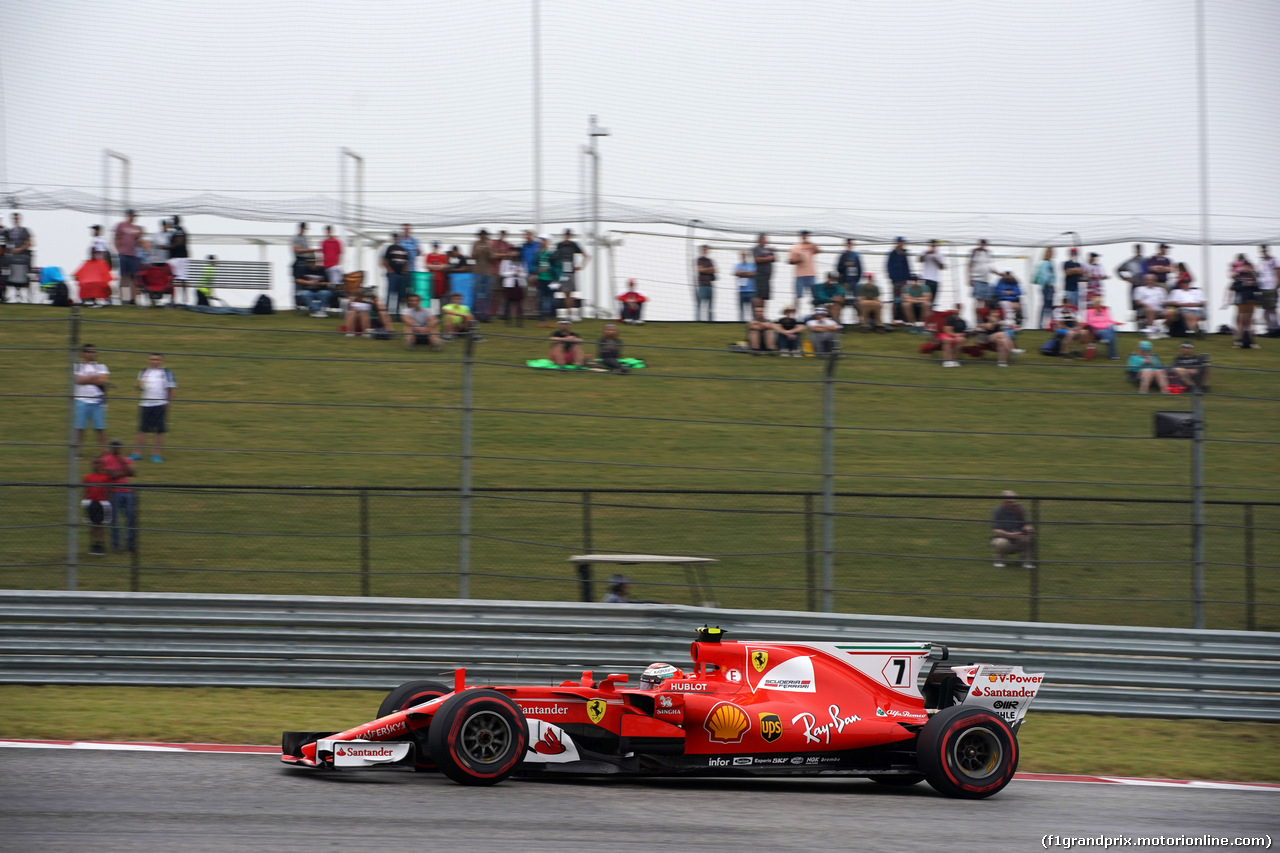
(1096, 560)
(243, 641)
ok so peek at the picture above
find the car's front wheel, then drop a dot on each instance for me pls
(406, 696)
(478, 737)
(967, 752)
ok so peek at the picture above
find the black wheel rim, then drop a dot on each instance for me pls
(485, 737)
(977, 753)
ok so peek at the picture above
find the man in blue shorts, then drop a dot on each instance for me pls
(91, 380)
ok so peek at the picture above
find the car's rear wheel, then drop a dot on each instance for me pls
(898, 780)
(967, 752)
(406, 696)
(478, 737)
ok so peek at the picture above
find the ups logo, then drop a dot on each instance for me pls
(770, 727)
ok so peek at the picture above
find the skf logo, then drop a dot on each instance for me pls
(770, 727)
(596, 709)
(727, 723)
(759, 660)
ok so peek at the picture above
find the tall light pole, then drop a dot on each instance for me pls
(345, 154)
(1202, 109)
(537, 118)
(594, 132)
(125, 180)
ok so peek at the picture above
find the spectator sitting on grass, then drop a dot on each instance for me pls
(312, 289)
(457, 317)
(609, 350)
(367, 316)
(917, 305)
(419, 326)
(1102, 325)
(823, 330)
(1144, 368)
(1010, 532)
(632, 304)
(786, 333)
(566, 346)
(1190, 368)
(760, 332)
(869, 305)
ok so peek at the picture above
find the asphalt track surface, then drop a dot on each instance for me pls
(87, 800)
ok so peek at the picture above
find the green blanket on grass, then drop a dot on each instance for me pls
(548, 364)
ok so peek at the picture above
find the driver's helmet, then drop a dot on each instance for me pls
(657, 673)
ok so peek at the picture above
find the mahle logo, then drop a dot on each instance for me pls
(770, 727)
(596, 709)
(759, 660)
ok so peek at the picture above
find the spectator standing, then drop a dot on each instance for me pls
(745, 275)
(503, 250)
(398, 264)
(419, 326)
(512, 274)
(1011, 533)
(1185, 304)
(1072, 272)
(160, 244)
(179, 258)
(19, 244)
(124, 501)
(548, 272)
(849, 269)
(869, 305)
(1044, 279)
(331, 258)
(411, 245)
(931, 267)
(763, 257)
(304, 257)
(980, 263)
(823, 332)
(1160, 266)
(632, 304)
(1244, 295)
(786, 333)
(1095, 275)
(156, 384)
(97, 243)
(91, 380)
(802, 258)
(437, 264)
(1102, 326)
(1148, 300)
(1268, 278)
(568, 267)
(529, 257)
(1191, 369)
(97, 507)
(704, 291)
(1132, 271)
(1144, 368)
(897, 266)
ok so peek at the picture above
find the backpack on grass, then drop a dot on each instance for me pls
(263, 305)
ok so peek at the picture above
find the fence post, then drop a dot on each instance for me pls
(829, 483)
(1035, 560)
(364, 541)
(73, 453)
(810, 582)
(464, 474)
(1250, 592)
(135, 562)
(584, 569)
(1197, 507)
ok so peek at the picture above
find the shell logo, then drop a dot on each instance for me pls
(726, 723)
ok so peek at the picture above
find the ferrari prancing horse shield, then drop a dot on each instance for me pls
(759, 660)
(596, 709)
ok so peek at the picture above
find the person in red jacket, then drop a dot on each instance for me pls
(97, 507)
(632, 304)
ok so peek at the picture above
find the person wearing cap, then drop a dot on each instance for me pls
(1072, 272)
(1149, 299)
(98, 243)
(567, 252)
(704, 291)
(1007, 296)
(547, 270)
(124, 503)
(980, 261)
(303, 255)
(823, 332)
(931, 267)
(437, 264)
(1160, 266)
(1010, 532)
(619, 588)
(331, 257)
(566, 346)
(849, 268)
(632, 304)
(1144, 367)
(91, 379)
(801, 257)
(126, 238)
(179, 258)
(897, 267)
(1191, 369)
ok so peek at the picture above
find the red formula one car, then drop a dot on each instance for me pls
(828, 709)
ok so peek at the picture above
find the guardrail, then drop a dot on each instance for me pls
(171, 639)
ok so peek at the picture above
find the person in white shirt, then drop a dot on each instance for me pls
(91, 379)
(156, 384)
(980, 262)
(1149, 298)
(1268, 278)
(822, 332)
(1185, 301)
(931, 267)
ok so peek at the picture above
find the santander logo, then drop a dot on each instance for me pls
(550, 744)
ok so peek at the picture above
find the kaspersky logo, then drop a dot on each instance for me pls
(727, 723)
(596, 709)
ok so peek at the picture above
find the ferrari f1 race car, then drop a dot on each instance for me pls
(759, 709)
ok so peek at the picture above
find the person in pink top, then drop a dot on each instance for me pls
(1102, 325)
(801, 257)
